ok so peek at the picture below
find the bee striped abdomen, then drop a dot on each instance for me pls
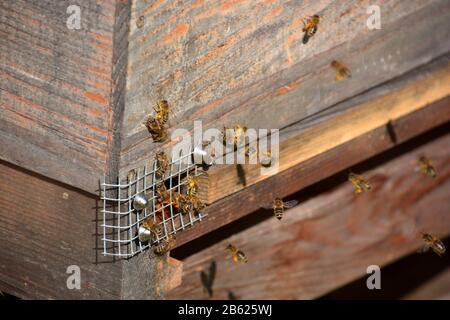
(278, 213)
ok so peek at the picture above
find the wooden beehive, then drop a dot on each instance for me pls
(73, 103)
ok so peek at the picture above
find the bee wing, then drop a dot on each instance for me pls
(424, 249)
(290, 204)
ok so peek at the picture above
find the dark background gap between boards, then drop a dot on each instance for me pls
(397, 278)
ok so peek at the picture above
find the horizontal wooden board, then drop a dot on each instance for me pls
(315, 169)
(332, 237)
(262, 69)
(337, 130)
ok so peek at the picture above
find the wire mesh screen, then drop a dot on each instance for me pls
(121, 221)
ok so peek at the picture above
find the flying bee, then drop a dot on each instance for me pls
(279, 206)
(236, 255)
(162, 163)
(239, 132)
(426, 167)
(156, 129)
(342, 71)
(434, 243)
(162, 194)
(359, 182)
(140, 22)
(310, 26)
(162, 111)
(149, 229)
(165, 245)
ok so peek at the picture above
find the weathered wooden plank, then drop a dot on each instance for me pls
(60, 88)
(44, 228)
(341, 128)
(332, 237)
(233, 84)
(316, 168)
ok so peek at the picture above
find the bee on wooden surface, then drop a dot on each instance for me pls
(162, 163)
(359, 182)
(131, 175)
(426, 167)
(310, 26)
(342, 71)
(279, 206)
(162, 194)
(156, 129)
(162, 111)
(434, 243)
(165, 245)
(239, 132)
(236, 255)
(140, 22)
(149, 229)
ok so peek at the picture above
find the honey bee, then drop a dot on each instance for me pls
(239, 132)
(359, 182)
(342, 71)
(192, 185)
(162, 194)
(177, 200)
(434, 243)
(131, 175)
(310, 27)
(197, 204)
(185, 205)
(279, 206)
(191, 204)
(140, 22)
(426, 167)
(165, 245)
(156, 129)
(149, 229)
(162, 163)
(162, 111)
(236, 255)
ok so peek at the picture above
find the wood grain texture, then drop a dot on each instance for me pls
(316, 168)
(60, 88)
(244, 62)
(330, 239)
(44, 228)
(342, 128)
